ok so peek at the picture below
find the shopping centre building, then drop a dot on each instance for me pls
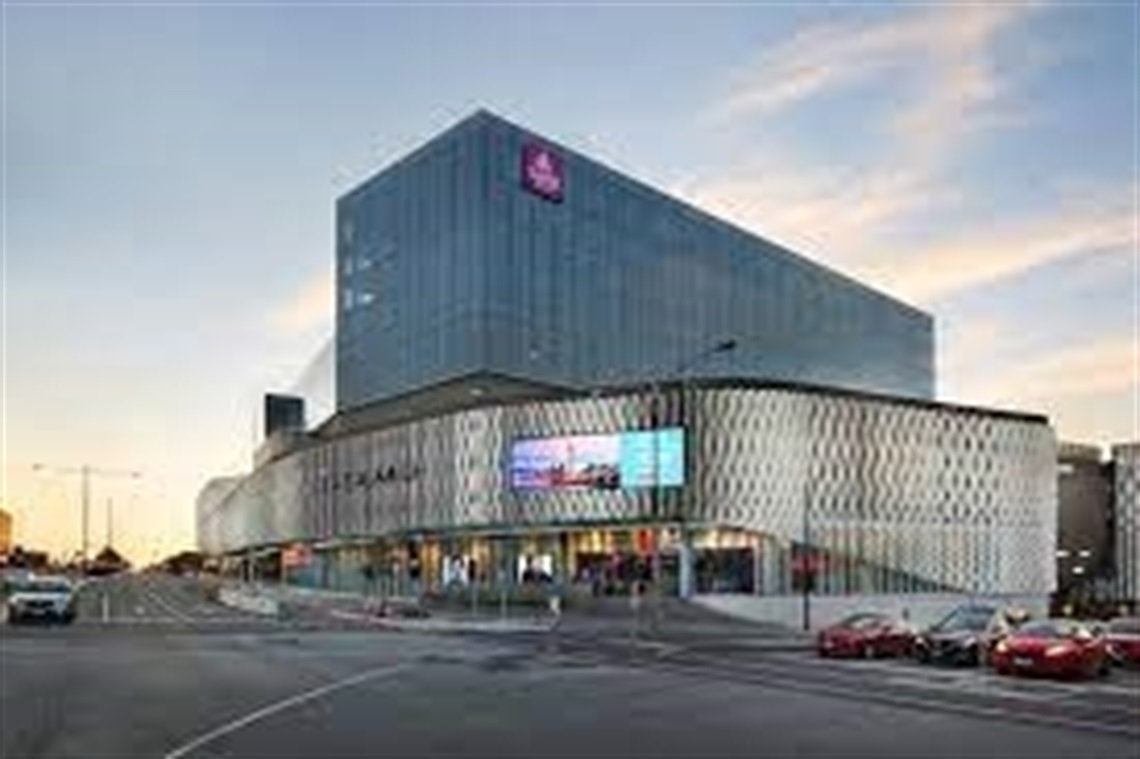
(548, 371)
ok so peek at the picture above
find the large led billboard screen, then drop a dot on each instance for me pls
(647, 458)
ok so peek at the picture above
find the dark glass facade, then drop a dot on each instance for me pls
(448, 263)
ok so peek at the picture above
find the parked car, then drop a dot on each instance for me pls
(42, 598)
(866, 634)
(1061, 648)
(1122, 638)
(967, 635)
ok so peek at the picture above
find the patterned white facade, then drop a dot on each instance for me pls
(1126, 500)
(966, 500)
(955, 499)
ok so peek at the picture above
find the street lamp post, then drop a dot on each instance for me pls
(681, 371)
(807, 576)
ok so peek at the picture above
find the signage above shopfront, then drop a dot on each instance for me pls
(542, 172)
(382, 475)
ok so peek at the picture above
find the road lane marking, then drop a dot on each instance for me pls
(166, 605)
(783, 678)
(280, 706)
(973, 679)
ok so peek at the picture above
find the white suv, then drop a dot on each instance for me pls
(42, 598)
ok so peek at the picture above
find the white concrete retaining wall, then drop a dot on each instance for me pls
(250, 602)
(922, 610)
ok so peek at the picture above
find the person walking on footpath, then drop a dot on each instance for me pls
(635, 605)
(554, 603)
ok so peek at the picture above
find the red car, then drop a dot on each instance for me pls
(1123, 639)
(1060, 648)
(868, 635)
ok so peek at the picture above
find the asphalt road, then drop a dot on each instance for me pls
(197, 680)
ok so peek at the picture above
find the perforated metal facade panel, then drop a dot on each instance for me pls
(965, 499)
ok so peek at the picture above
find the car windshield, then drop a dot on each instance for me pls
(45, 586)
(974, 618)
(1128, 625)
(863, 621)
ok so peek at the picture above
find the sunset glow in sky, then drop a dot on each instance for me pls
(171, 174)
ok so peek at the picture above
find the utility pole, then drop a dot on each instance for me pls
(86, 472)
(110, 522)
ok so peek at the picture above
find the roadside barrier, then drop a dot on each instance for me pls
(249, 602)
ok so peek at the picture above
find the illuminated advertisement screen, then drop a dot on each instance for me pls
(649, 458)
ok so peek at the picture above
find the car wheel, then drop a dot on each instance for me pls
(1105, 668)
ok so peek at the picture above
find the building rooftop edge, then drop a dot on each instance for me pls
(488, 116)
(440, 400)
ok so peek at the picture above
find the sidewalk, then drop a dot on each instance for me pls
(438, 623)
(298, 603)
(681, 623)
(691, 631)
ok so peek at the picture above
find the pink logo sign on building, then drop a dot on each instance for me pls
(542, 171)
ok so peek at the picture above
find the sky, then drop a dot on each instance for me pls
(170, 176)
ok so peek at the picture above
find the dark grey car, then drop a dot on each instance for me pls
(967, 635)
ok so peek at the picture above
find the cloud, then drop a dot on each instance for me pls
(862, 218)
(967, 84)
(1090, 391)
(950, 46)
(947, 265)
(849, 213)
(816, 60)
(1105, 366)
(965, 343)
(309, 309)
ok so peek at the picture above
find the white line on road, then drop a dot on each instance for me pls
(163, 602)
(280, 706)
(784, 678)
